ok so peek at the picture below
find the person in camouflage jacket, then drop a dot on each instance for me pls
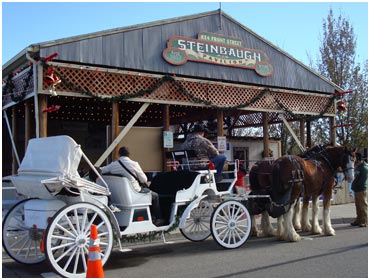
(204, 148)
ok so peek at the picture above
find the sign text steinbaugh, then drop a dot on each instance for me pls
(216, 49)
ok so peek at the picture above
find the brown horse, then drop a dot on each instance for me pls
(294, 175)
(320, 167)
(260, 183)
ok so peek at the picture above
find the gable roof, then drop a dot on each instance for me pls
(139, 47)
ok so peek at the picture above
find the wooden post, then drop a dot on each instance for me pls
(308, 128)
(166, 127)
(220, 123)
(333, 133)
(14, 132)
(115, 128)
(266, 146)
(27, 123)
(43, 117)
(302, 132)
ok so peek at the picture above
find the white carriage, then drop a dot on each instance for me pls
(54, 222)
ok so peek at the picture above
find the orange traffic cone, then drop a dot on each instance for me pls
(94, 263)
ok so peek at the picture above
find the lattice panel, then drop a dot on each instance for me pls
(215, 94)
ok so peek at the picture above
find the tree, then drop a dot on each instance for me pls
(337, 63)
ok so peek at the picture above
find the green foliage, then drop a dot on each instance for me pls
(337, 63)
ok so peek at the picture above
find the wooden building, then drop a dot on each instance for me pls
(163, 75)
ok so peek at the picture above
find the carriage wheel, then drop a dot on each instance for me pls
(20, 242)
(230, 224)
(68, 237)
(197, 226)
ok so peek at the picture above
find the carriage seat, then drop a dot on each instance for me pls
(123, 195)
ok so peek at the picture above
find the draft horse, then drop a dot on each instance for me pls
(293, 176)
(321, 164)
(260, 183)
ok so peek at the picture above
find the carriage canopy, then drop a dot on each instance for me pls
(57, 156)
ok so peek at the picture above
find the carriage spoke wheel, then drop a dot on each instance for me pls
(20, 242)
(230, 224)
(68, 238)
(197, 226)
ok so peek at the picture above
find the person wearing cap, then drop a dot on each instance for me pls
(204, 148)
(132, 170)
(359, 186)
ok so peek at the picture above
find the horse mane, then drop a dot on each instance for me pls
(314, 152)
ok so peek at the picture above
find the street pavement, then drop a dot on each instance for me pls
(340, 214)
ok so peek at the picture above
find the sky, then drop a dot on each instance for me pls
(295, 27)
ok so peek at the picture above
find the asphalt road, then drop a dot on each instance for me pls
(344, 255)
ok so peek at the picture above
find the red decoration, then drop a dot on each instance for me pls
(343, 125)
(51, 57)
(50, 77)
(52, 108)
(341, 106)
(342, 93)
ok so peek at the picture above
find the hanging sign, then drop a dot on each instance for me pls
(216, 49)
(221, 143)
(168, 139)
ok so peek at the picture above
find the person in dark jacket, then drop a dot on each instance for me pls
(359, 187)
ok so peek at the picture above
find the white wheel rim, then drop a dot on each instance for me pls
(20, 242)
(68, 238)
(231, 224)
(197, 226)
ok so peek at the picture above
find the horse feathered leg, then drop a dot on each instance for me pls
(297, 216)
(316, 229)
(290, 234)
(266, 227)
(328, 229)
(280, 227)
(305, 223)
(254, 229)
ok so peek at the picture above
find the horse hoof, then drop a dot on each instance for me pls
(330, 233)
(316, 230)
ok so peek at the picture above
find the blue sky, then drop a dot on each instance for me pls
(295, 27)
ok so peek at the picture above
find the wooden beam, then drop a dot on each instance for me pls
(43, 117)
(115, 128)
(302, 132)
(292, 132)
(266, 144)
(220, 123)
(122, 134)
(308, 128)
(333, 133)
(166, 127)
(27, 123)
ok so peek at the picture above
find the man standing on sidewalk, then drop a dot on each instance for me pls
(359, 186)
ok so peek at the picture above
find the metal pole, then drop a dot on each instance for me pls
(11, 137)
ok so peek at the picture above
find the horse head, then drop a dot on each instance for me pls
(345, 158)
